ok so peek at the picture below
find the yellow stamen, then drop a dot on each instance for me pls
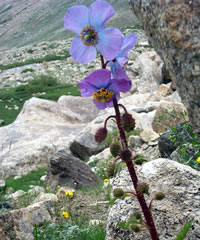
(103, 95)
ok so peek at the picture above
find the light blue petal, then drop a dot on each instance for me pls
(76, 18)
(99, 13)
(82, 53)
(110, 42)
(128, 43)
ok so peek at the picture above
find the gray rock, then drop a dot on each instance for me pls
(148, 135)
(67, 170)
(46, 197)
(173, 30)
(2, 183)
(168, 115)
(85, 145)
(19, 224)
(180, 184)
(41, 128)
(148, 65)
(135, 141)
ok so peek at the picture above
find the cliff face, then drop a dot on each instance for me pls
(173, 30)
(24, 22)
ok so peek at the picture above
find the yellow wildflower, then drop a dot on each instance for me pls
(65, 214)
(106, 180)
(198, 160)
(70, 194)
(58, 186)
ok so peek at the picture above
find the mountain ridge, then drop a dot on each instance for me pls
(25, 22)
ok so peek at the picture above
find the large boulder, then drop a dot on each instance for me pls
(42, 128)
(180, 184)
(148, 65)
(173, 30)
(67, 170)
(168, 115)
(19, 224)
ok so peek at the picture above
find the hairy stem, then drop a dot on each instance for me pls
(145, 209)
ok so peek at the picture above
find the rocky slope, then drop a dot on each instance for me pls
(24, 22)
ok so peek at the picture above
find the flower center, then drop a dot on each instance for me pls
(89, 35)
(103, 95)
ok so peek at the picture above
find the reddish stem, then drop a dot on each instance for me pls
(146, 211)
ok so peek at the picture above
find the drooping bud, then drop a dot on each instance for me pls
(126, 155)
(134, 228)
(100, 135)
(115, 149)
(110, 170)
(137, 215)
(143, 188)
(128, 122)
(118, 192)
(159, 196)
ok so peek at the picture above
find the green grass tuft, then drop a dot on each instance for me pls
(23, 183)
(17, 96)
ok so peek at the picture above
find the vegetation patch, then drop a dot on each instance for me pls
(47, 58)
(27, 70)
(12, 99)
(23, 183)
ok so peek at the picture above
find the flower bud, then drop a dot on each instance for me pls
(137, 215)
(143, 188)
(115, 149)
(128, 122)
(100, 135)
(110, 170)
(118, 192)
(159, 196)
(126, 155)
(134, 228)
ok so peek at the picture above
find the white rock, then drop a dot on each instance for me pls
(2, 183)
(46, 197)
(148, 135)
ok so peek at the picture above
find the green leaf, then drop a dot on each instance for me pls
(111, 202)
(123, 225)
(184, 231)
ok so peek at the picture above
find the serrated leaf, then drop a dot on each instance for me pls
(123, 225)
(111, 202)
(184, 231)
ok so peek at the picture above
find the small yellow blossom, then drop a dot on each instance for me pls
(106, 180)
(65, 214)
(69, 194)
(75, 183)
(198, 160)
(58, 186)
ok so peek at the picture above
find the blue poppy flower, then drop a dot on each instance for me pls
(119, 62)
(103, 88)
(89, 25)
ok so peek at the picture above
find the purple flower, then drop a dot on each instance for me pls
(103, 89)
(89, 24)
(119, 62)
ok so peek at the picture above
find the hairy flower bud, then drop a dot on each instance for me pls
(143, 188)
(134, 228)
(159, 196)
(128, 122)
(115, 149)
(110, 170)
(100, 135)
(126, 155)
(137, 215)
(118, 192)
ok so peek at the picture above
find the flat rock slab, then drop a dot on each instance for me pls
(67, 170)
